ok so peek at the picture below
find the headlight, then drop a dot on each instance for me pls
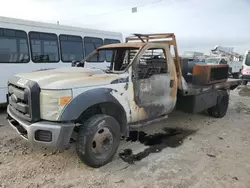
(52, 103)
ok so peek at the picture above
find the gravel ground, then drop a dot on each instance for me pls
(204, 152)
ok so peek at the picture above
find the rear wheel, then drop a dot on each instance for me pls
(98, 140)
(220, 109)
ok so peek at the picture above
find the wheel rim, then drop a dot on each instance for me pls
(102, 143)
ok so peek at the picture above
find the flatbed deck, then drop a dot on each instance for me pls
(192, 89)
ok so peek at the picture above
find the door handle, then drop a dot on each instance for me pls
(171, 84)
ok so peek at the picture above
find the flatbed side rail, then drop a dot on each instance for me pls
(196, 89)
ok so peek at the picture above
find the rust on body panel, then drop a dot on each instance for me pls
(137, 113)
(123, 45)
(155, 95)
(209, 74)
(173, 91)
(104, 76)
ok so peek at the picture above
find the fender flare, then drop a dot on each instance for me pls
(85, 100)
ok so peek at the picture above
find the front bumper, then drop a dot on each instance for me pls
(45, 133)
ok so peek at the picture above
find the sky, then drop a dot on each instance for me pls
(199, 25)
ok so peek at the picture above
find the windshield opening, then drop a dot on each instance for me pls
(247, 62)
(119, 58)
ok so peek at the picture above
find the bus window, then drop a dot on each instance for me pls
(13, 46)
(71, 48)
(90, 44)
(109, 53)
(44, 47)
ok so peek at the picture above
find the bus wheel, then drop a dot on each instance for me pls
(98, 140)
(220, 109)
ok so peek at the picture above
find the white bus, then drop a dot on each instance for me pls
(27, 46)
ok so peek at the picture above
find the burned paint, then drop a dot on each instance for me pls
(123, 45)
(209, 74)
(172, 137)
(104, 76)
(154, 110)
(120, 80)
(154, 95)
(173, 78)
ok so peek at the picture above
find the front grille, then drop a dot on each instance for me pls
(18, 100)
(24, 101)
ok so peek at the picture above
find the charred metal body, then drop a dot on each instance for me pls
(197, 103)
(209, 74)
(143, 85)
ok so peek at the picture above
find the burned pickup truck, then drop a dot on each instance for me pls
(144, 83)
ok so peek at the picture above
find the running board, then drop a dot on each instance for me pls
(140, 124)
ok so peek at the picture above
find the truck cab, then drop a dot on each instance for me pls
(144, 83)
(245, 70)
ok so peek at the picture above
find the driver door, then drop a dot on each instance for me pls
(155, 81)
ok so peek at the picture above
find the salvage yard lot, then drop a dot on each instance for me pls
(184, 151)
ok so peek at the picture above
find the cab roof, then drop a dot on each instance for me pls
(124, 45)
(140, 40)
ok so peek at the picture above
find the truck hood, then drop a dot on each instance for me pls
(70, 77)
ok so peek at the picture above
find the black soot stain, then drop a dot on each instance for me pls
(171, 137)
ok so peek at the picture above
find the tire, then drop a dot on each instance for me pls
(220, 109)
(98, 140)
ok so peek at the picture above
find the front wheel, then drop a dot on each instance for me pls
(98, 140)
(220, 109)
